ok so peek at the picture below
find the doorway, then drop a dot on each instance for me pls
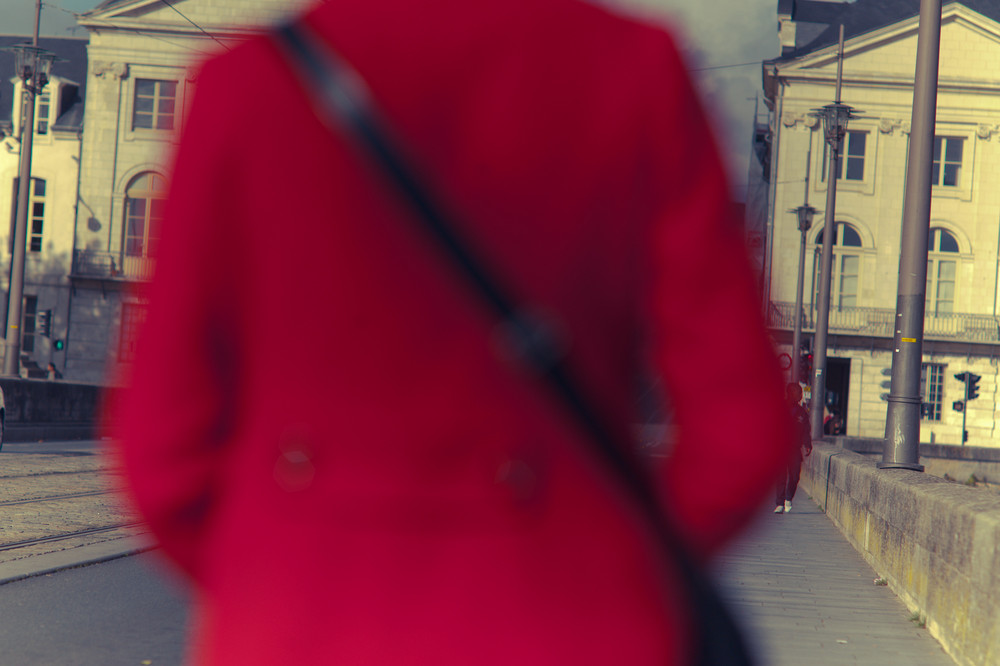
(838, 381)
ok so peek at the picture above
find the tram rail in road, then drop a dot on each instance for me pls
(67, 535)
(61, 507)
(53, 498)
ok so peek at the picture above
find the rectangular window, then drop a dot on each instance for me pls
(28, 323)
(153, 104)
(42, 106)
(133, 315)
(947, 166)
(852, 163)
(932, 385)
(36, 215)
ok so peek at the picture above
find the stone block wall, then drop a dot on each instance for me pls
(937, 543)
(38, 401)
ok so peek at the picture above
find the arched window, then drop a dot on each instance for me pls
(846, 267)
(144, 199)
(942, 268)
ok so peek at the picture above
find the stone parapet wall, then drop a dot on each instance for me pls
(31, 402)
(973, 465)
(937, 543)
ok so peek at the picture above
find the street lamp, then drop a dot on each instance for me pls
(835, 118)
(804, 214)
(32, 65)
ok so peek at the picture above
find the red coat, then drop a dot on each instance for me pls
(319, 429)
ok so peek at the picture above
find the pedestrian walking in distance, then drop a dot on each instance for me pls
(788, 482)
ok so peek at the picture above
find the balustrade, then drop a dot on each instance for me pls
(111, 265)
(878, 322)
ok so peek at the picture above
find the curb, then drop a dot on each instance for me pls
(81, 556)
(33, 432)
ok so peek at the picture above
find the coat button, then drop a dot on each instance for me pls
(294, 470)
(522, 480)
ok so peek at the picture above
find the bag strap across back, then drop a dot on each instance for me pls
(346, 106)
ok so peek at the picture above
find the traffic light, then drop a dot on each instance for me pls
(44, 323)
(971, 386)
(971, 382)
(58, 345)
(805, 368)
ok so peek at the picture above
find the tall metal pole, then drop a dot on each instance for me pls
(797, 331)
(902, 423)
(965, 410)
(12, 337)
(804, 214)
(833, 139)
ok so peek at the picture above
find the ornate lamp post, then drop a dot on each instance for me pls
(32, 64)
(835, 117)
(804, 214)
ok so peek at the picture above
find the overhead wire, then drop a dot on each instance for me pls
(741, 64)
(208, 34)
(154, 36)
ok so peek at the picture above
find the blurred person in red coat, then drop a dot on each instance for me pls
(318, 427)
(788, 479)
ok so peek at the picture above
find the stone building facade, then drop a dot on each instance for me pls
(52, 201)
(962, 323)
(139, 81)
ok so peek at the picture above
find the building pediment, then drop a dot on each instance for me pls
(189, 16)
(970, 55)
(127, 13)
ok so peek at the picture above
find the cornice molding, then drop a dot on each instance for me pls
(888, 125)
(986, 131)
(791, 119)
(108, 69)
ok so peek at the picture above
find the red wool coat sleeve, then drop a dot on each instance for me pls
(177, 414)
(711, 348)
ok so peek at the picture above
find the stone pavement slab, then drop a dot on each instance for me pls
(70, 558)
(50, 491)
(802, 592)
(805, 596)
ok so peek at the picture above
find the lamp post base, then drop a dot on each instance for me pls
(11, 369)
(900, 465)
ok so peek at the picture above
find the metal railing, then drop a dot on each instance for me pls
(878, 322)
(111, 265)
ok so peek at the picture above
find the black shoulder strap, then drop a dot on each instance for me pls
(345, 105)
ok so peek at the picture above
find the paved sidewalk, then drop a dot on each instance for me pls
(805, 596)
(802, 592)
